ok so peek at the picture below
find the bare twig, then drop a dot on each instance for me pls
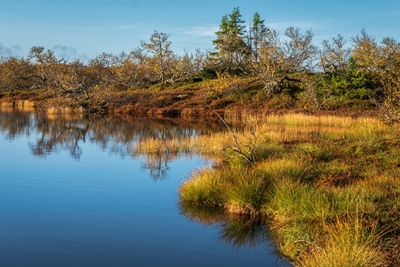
(248, 155)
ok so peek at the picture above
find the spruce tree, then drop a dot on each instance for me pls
(258, 33)
(231, 50)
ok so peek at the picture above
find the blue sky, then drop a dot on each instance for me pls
(86, 28)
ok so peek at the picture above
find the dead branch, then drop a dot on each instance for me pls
(249, 157)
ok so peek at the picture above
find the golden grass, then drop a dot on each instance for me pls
(205, 187)
(324, 184)
(195, 144)
(273, 128)
(325, 120)
(346, 242)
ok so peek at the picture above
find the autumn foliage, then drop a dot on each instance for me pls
(251, 66)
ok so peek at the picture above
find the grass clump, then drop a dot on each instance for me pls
(246, 192)
(241, 191)
(347, 243)
(206, 187)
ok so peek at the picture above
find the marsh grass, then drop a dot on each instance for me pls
(239, 192)
(207, 187)
(194, 144)
(347, 242)
(328, 185)
(246, 192)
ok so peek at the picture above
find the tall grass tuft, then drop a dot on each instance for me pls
(206, 187)
(246, 192)
(239, 190)
(346, 242)
(290, 200)
(285, 168)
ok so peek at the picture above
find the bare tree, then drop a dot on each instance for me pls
(297, 54)
(300, 52)
(334, 55)
(159, 47)
(381, 61)
(269, 60)
(187, 66)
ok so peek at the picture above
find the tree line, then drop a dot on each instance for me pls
(362, 69)
(151, 63)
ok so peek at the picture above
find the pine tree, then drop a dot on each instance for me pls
(231, 50)
(258, 33)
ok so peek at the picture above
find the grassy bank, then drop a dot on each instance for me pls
(232, 96)
(328, 186)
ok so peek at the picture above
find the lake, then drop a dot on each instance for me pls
(73, 192)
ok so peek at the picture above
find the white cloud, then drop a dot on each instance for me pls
(200, 31)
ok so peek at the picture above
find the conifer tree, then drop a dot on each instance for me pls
(258, 33)
(231, 50)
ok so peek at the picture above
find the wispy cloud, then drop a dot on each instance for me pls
(66, 52)
(6, 51)
(200, 31)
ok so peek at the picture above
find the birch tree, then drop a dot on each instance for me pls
(159, 47)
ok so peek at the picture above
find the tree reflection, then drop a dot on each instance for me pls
(157, 164)
(55, 136)
(14, 123)
(119, 135)
(53, 133)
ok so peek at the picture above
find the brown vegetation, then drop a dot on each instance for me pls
(249, 69)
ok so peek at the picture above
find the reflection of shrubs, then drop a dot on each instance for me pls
(207, 215)
(240, 231)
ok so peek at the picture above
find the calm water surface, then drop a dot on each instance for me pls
(73, 192)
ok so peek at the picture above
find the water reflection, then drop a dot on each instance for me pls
(68, 132)
(14, 123)
(239, 231)
(157, 164)
(123, 211)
